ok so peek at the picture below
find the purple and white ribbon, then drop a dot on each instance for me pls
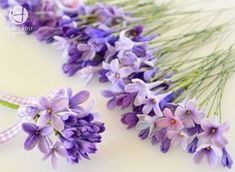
(14, 130)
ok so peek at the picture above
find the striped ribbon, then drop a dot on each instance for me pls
(15, 129)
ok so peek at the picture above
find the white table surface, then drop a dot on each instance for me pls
(30, 68)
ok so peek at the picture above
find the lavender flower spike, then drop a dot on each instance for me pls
(211, 152)
(36, 136)
(214, 132)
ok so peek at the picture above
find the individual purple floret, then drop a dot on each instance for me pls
(189, 114)
(169, 121)
(214, 132)
(226, 160)
(37, 136)
(212, 153)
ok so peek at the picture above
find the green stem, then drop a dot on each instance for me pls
(8, 104)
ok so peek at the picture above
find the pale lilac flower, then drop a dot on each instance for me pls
(124, 44)
(178, 138)
(226, 160)
(116, 73)
(169, 121)
(37, 136)
(153, 103)
(189, 114)
(211, 152)
(88, 51)
(142, 89)
(214, 131)
(57, 148)
(49, 110)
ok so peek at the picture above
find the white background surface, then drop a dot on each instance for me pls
(30, 68)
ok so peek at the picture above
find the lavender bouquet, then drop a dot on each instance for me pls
(57, 124)
(152, 76)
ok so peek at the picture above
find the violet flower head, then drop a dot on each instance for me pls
(49, 110)
(212, 153)
(80, 136)
(189, 114)
(169, 121)
(226, 160)
(37, 136)
(214, 132)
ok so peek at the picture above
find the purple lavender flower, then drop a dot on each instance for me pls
(142, 89)
(47, 33)
(37, 136)
(4, 4)
(178, 138)
(88, 51)
(211, 152)
(165, 145)
(153, 103)
(189, 114)
(130, 119)
(214, 131)
(49, 110)
(125, 44)
(108, 15)
(80, 136)
(143, 134)
(116, 73)
(57, 148)
(113, 99)
(76, 100)
(226, 160)
(169, 121)
(192, 147)
(159, 136)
